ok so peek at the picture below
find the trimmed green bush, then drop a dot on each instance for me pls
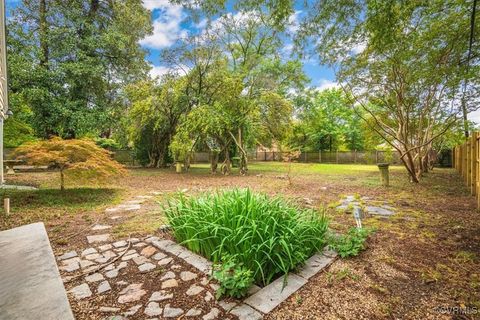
(267, 235)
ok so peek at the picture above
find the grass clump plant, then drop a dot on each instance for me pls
(268, 236)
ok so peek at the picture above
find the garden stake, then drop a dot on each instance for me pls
(6, 206)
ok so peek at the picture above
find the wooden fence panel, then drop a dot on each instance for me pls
(466, 160)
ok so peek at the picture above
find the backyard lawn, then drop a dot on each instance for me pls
(422, 259)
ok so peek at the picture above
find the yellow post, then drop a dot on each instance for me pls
(461, 161)
(454, 158)
(468, 167)
(473, 164)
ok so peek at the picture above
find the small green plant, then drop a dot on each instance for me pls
(298, 299)
(350, 244)
(347, 273)
(233, 277)
(106, 143)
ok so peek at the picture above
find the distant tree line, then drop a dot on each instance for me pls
(405, 72)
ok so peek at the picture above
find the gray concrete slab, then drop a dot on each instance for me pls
(245, 312)
(313, 265)
(188, 256)
(275, 293)
(379, 211)
(30, 284)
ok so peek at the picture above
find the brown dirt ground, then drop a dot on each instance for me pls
(427, 256)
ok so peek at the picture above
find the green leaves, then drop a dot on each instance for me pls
(267, 236)
(350, 244)
(328, 122)
(234, 278)
(69, 61)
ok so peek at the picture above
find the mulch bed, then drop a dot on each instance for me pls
(424, 258)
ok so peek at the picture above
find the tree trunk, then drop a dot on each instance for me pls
(43, 33)
(186, 161)
(214, 162)
(410, 166)
(227, 165)
(62, 180)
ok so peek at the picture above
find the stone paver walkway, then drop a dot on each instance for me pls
(153, 278)
(143, 282)
(369, 205)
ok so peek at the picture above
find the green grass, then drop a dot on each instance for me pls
(29, 206)
(274, 167)
(71, 198)
(268, 236)
(316, 168)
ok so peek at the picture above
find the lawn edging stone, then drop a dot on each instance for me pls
(259, 301)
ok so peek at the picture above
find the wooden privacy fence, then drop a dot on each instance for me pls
(466, 159)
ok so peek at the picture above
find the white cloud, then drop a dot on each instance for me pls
(359, 48)
(159, 71)
(474, 116)
(155, 4)
(167, 26)
(201, 24)
(326, 84)
(293, 22)
(287, 49)
(239, 18)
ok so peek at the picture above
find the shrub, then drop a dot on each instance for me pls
(234, 278)
(107, 143)
(81, 159)
(350, 244)
(268, 236)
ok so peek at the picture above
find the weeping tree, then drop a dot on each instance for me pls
(403, 64)
(213, 124)
(79, 159)
(156, 110)
(234, 70)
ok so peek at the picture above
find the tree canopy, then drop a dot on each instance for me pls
(69, 60)
(405, 74)
(77, 158)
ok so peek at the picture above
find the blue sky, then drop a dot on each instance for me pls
(170, 24)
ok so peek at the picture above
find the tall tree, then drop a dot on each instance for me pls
(403, 63)
(327, 121)
(70, 59)
(156, 110)
(234, 70)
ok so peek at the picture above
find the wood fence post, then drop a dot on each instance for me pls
(477, 167)
(466, 162)
(469, 158)
(336, 155)
(320, 156)
(457, 165)
(355, 156)
(454, 158)
(460, 160)
(473, 164)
